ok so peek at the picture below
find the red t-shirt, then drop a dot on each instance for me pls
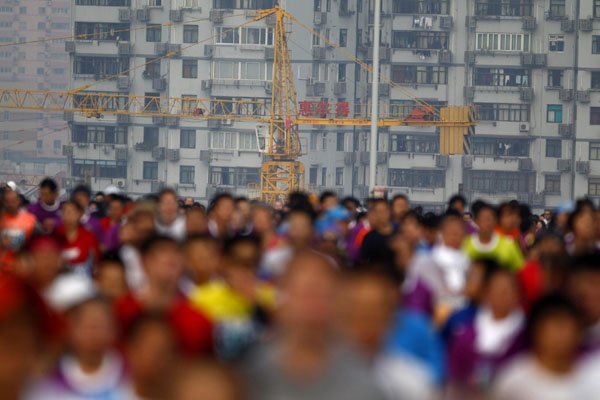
(84, 248)
(193, 330)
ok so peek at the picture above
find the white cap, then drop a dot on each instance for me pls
(111, 189)
(70, 290)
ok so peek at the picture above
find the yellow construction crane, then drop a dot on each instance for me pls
(281, 172)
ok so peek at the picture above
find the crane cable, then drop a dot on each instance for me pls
(84, 35)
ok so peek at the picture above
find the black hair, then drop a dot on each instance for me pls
(230, 243)
(548, 306)
(112, 257)
(241, 199)
(326, 194)
(481, 205)
(508, 207)
(72, 203)
(154, 241)
(457, 198)
(82, 189)
(303, 211)
(490, 266)
(586, 263)
(165, 191)
(298, 201)
(374, 202)
(585, 202)
(201, 238)
(119, 198)
(145, 319)
(431, 220)
(218, 197)
(400, 196)
(449, 216)
(415, 215)
(573, 216)
(49, 183)
(350, 199)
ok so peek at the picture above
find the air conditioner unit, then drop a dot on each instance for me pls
(320, 18)
(205, 155)
(209, 50)
(563, 165)
(120, 183)
(269, 87)
(226, 122)
(442, 160)
(206, 84)
(565, 130)
(525, 164)
(582, 167)
(467, 162)
(524, 127)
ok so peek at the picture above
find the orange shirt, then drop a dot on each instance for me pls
(16, 231)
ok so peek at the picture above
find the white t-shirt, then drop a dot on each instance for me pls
(526, 379)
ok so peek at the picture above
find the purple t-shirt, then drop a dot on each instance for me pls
(47, 216)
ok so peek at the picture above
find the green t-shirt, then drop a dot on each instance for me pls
(504, 250)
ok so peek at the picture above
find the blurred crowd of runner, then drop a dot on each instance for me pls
(103, 297)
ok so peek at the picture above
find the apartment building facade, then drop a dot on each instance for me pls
(529, 65)
(31, 142)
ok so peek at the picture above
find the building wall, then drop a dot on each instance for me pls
(31, 141)
(435, 53)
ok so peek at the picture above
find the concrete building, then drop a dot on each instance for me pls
(31, 142)
(528, 64)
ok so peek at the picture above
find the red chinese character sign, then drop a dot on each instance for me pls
(322, 109)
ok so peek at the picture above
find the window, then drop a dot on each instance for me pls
(595, 44)
(100, 66)
(510, 8)
(245, 176)
(556, 43)
(150, 170)
(555, 78)
(313, 141)
(244, 4)
(42, 10)
(553, 148)
(596, 8)
(59, 25)
(39, 144)
(339, 176)
(57, 145)
(502, 77)
(189, 104)
(324, 176)
(554, 113)
(152, 102)
(552, 184)
(227, 35)
(257, 36)
(99, 168)
(594, 115)
(152, 69)
(420, 40)
(503, 112)
(486, 181)
(226, 70)
(557, 8)
(190, 69)
(221, 176)
(594, 150)
(40, 71)
(186, 174)
(500, 147)
(400, 143)
(312, 175)
(419, 74)
(416, 178)
(41, 26)
(101, 31)
(190, 33)
(594, 187)
(112, 3)
(339, 143)
(222, 140)
(595, 80)
(316, 39)
(153, 33)
(324, 140)
(22, 10)
(343, 37)
(247, 141)
(503, 41)
(420, 6)
(99, 134)
(150, 137)
(187, 138)
(341, 73)
(252, 70)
